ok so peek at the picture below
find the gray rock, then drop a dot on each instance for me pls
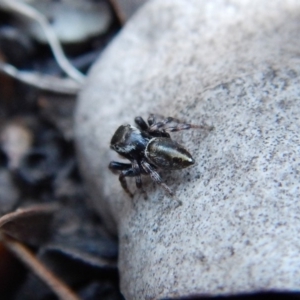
(236, 65)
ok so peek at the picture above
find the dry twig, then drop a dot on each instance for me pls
(27, 257)
(41, 81)
(30, 260)
(31, 13)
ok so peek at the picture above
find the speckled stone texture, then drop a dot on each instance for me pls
(233, 64)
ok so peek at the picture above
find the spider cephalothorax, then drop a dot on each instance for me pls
(149, 147)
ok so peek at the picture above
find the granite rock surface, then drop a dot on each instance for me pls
(231, 64)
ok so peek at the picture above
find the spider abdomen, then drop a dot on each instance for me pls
(167, 154)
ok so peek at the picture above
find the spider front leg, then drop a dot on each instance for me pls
(117, 166)
(127, 170)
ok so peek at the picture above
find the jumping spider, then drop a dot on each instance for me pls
(149, 148)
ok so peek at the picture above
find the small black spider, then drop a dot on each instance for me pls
(149, 148)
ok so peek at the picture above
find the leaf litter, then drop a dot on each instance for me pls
(52, 244)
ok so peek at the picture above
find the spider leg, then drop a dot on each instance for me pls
(123, 181)
(138, 179)
(141, 123)
(155, 176)
(143, 126)
(127, 170)
(117, 166)
(151, 119)
(172, 124)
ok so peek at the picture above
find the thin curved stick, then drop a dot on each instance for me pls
(29, 259)
(28, 211)
(30, 12)
(41, 81)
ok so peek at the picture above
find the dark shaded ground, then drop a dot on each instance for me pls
(38, 169)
